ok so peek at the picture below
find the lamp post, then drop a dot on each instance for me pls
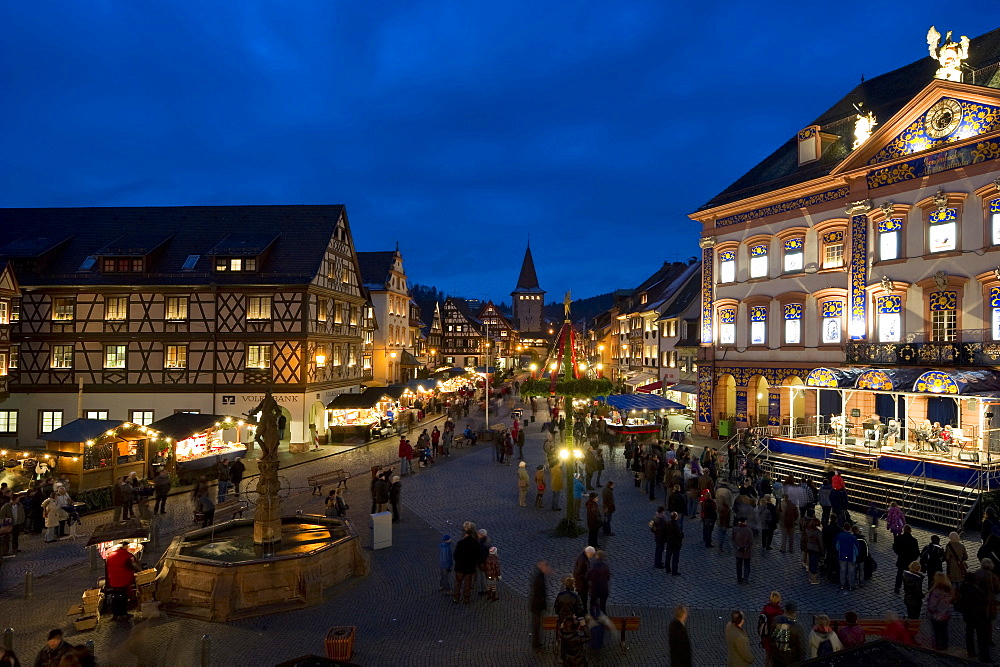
(569, 456)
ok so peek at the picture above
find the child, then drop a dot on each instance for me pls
(331, 503)
(873, 516)
(445, 562)
(492, 574)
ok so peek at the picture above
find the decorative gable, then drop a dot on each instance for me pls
(946, 121)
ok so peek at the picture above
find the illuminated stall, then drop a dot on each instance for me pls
(370, 414)
(94, 453)
(638, 414)
(193, 441)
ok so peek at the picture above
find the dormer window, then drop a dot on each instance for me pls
(642, 298)
(236, 264)
(122, 265)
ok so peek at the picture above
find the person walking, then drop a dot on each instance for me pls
(932, 558)
(956, 559)
(659, 527)
(556, 483)
(161, 489)
(523, 481)
(539, 601)
(767, 521)
(492, 569)
(466, 561)
(12, 514)
(224, 478)
(594, 520)
(738, 653)
(598, 579)
(608, 506)
(743, 546)
(678, 639)
(847, 557)
(580, 570)
(236, 471)
(789, 518)
(709, 515)
(55, 648)
(913, 590)
(895, 520)
(973, 604)
(395, 491)
(907, 550)
(675, 538)
(940, 605)
(823, 641)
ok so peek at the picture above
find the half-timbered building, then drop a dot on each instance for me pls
(137, 313)
(462, 339)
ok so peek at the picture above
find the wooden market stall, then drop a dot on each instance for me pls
(94, 453)
(193, 441)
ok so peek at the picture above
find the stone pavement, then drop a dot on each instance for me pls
(403, 619)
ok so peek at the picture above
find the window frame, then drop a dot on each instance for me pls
(180, 356)
(142, 422)
(97, 413)
(119, 351)
(884, 308)
(793, 311)
(933, 209)
(793, 247)
(757, 324)
(8, 417)
(256, 349)
(759, 261)
(120, 308)
(255, 308)
(726, 256)
(67, 306)
(179, 305)
(50, 417)
(62, 349)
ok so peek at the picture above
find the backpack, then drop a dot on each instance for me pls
(825, 648)
(781, 641)
(763, 627)
(932, 559)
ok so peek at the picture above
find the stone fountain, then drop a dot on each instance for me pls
(268, 564)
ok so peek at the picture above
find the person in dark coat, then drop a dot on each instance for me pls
(907, 550)
(974, 605)
(539, 602)
(236, 475)
(608, 506)
(466, 562)
(53, 651)
(161, 489)
(594, 521)
(598, 578)
(709, 515)
(677, 636)
(381, 492)
(568, 602)
(394, 493)
(580, 570)
(659, 527)
(675, 537)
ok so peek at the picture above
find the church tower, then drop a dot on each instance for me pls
(528, 297)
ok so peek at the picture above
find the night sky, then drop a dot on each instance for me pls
(459, 129)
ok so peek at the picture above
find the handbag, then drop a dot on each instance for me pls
(7, 527)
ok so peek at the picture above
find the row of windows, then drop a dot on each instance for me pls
(175, 357)
(341, 312)
(116, 309)
(942, 235)
(529, 297)
(50, 420)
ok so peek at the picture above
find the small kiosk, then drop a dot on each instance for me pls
(93, 453)
(189, 441)
(370, 414)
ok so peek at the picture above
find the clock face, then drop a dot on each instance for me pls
(943, 118)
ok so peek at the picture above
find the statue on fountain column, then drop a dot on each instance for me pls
(267, 437)
(267, 517)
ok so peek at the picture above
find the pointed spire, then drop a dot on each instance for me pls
(528, 278)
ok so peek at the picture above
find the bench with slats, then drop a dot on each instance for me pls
(623, 623)
(317, 482)
(237, 507)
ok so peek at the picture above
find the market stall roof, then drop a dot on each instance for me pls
(652, 386)
(907, 380)
(129, 529)
(182, 425)
(407, 360)
(484, 369)
(451, 372)
(683, 388)
(81, 430)
(642, 402)
(642, 378)
(353, 401)
(392, 392)
(428, 384)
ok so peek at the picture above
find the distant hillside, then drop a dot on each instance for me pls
(581, 308)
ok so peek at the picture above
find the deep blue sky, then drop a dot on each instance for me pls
(457, 128)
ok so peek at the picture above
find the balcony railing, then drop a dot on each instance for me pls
(971, 347)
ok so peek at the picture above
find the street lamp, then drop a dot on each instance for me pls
(565, 455)
(533, 367)
(600, 370)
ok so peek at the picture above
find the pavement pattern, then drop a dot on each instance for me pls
(402, 617)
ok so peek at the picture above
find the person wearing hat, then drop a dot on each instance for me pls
(53, 651)
(522, 483)
(446, 561)
(743, 546)
(492, 574)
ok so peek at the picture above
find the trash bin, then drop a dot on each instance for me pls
(340, 641)
(381, 527)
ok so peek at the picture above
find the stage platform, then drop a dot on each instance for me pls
(935, 490)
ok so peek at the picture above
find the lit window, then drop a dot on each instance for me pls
(943, 319)
(994, 315)
(793, 255)
(116, 308)
(8, 422)
(889, 236)
(889, 319)
(321, 310)
(258, 307)
(833, 256)
(236, 265)
(793, 324)
(95, 414)
(3, 363)
(833, 313)
(63, 309)
(4, 311)
(50, 420)
(15, 351)
(175, 356)
(758, 325)
(15, 310)
(758, 261)
(727, 266)
(942, 230)
(177, 307)
(258, 356)
(727, 326)
(995, 220)
(114, 356)
(141, 417)
(62, 356)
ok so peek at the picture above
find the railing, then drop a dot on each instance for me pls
(970, 347)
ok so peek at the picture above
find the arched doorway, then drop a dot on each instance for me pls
(793, 405)
(284, 434)
(725, 397)
(757, 400)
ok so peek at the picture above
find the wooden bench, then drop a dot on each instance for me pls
(317, 482)
(876, 627)
(237, 507)
(623, 623)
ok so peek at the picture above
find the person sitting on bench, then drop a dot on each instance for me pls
(871, 428)
(469, 435)
(937, 439)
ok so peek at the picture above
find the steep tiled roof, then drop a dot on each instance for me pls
(527, 281)
(375, 267)
(52, 245)
(884, 95)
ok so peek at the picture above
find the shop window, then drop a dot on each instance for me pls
(727, 326)
(995, 220)
(175, 356)
(63, 309)
(793, 323)
(177, 308)
(794, 249)
(258, 356)
(758, 261)
(758, 325)
(833, 317)
(890, 237)
(942, 230)
(8, 422)
(890, 323)
(95, 414)
(141, 417)
(258, 307)
(114, 356)
(116, 308)
(943, 306)
(727, 266)
(62, 356)
(49, 420)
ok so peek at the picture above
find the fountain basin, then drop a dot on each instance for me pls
(218, 574)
